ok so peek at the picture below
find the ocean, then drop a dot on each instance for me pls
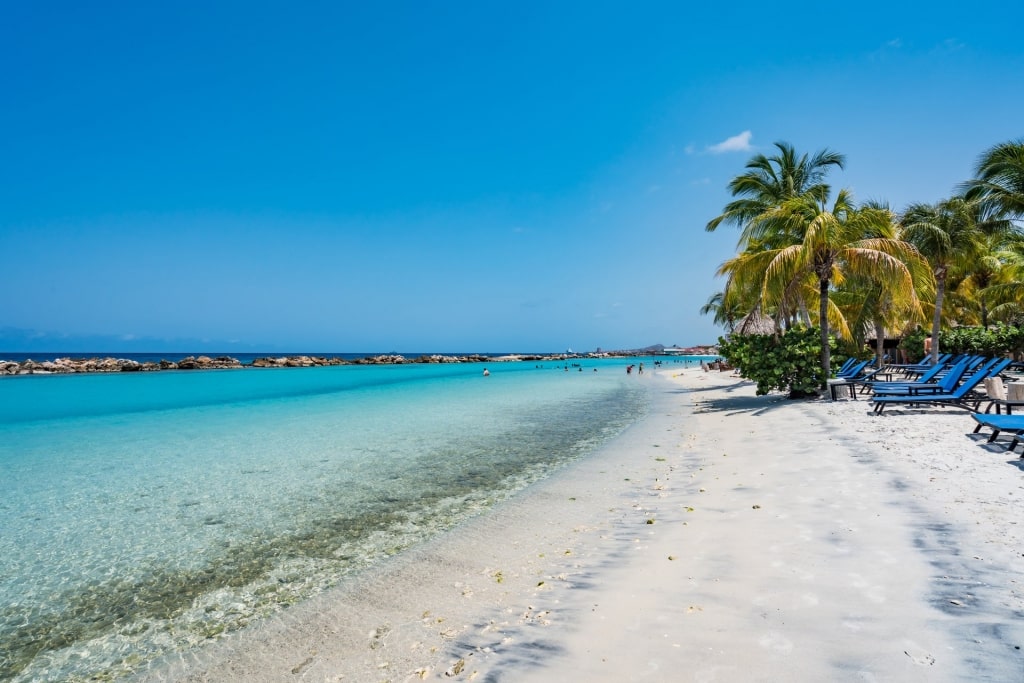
(145, 514)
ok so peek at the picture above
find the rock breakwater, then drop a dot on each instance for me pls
(91, 365)
(97, 365)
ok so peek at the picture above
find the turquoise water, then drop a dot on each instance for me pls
(150, 513)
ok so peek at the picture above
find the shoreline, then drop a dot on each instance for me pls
(723, 537)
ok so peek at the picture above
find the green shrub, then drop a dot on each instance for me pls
(995, 341)
(788, 362)
(913, 343)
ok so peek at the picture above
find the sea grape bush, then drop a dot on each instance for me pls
(997, 340)
(913, 344)
(789, 362)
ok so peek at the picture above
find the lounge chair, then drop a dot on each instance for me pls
(904, 386)
(961, 397)
(946, 384)
(923, 366)
(860, 371)
(846, 366)
(972, 363)
(852, 371)
(1001, 423)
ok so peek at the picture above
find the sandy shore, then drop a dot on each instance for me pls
(726, 537)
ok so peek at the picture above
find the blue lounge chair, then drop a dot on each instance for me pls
(846, 366)
(1001, 423)
(924, 365)
(944, 384)
(860, 371)
(852, 371)
(959, 398)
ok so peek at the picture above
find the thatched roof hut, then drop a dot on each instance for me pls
(755, 323)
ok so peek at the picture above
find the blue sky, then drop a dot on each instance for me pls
(446, 176)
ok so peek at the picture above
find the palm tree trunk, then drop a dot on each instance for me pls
(804, 313)
(879, 341)
(940, 293)
(826, 367)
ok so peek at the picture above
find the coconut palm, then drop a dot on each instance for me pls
(873, 308)
(991, 277)
(996, 281)
(770, 181)
(725, 308)
(948, 234)
(892, 309)
(767, 183)
(786, 308)
(999, 179)
(825, 245)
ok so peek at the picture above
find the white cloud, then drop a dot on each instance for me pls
(737, 143)
(951, 45)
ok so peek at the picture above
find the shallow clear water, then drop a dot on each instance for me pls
(148, 513)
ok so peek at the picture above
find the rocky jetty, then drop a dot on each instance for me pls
(92, 365)
(65, 366)
(296, 362)
(95, 365)
(207, 363)
(437, 358)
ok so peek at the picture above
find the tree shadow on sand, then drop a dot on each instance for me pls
(732, 405)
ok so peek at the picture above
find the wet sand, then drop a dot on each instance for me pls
(726, 537)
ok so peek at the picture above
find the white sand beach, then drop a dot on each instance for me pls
(726, 537)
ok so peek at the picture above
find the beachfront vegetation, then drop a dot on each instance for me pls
(996, 340)
(782, 362)
(951, 234)
(853, 270)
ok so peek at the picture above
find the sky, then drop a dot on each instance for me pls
(446, 176)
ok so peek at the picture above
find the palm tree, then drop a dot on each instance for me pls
(726, 307)
(826, 245)
(999, 179)
(949, 236)
(770, 181)
(870, 306)
(996, 280)
(767, 183)
(983, 286)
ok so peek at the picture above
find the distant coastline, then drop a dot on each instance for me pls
(86, 362)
